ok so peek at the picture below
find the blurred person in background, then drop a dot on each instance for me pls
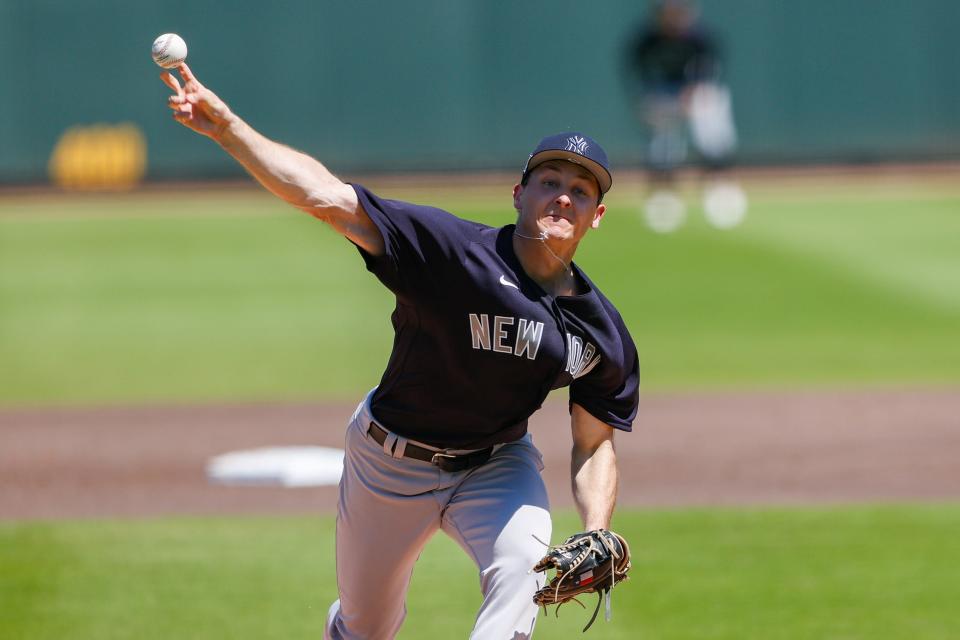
(674, 79)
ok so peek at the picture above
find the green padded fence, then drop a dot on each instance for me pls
(370, 85)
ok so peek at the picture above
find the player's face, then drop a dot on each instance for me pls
(560, 200)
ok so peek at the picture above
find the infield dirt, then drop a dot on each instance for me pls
(705, 449)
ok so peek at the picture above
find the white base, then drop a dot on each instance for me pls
(278, 466)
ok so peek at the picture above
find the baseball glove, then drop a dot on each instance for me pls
(588, 562)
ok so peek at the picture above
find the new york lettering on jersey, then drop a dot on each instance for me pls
(524, 339)
(467, 314)
(526, 334)
(582, 356)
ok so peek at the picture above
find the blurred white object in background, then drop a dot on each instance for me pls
(724, 204)
(711, 120)
(664, 211)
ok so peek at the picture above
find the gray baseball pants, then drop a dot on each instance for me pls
(390, 506)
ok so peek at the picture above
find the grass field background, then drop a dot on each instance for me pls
(192, 297)
(788, 574)
(229, 296)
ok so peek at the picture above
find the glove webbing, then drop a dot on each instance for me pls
(585, 550)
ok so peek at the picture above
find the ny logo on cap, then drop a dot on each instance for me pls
(577, 144)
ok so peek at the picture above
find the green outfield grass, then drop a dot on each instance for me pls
(858, 573)
(194, 297)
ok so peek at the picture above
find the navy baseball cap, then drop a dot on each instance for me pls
(577, 148)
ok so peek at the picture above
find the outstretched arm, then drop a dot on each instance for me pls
(593, 469)
(289, 174)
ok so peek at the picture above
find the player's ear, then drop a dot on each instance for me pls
(517, 190)
(598, 215)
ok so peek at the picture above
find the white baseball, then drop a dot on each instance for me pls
(169, 50)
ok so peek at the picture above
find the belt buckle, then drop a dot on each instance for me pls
(439, 458)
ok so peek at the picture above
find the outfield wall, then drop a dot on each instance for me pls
(433, 84)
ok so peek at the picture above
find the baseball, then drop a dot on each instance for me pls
(169, 50)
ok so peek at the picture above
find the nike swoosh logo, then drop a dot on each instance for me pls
(507, 283)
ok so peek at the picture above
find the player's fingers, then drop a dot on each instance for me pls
(186, 73)
(196, 95)
(183, 117)
(171, 81)
(204, 97)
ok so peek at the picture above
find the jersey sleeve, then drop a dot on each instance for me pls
(610, 392)
(419, 243)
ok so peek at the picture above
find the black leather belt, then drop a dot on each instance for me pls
(446, 461)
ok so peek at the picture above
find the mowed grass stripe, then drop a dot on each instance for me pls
(212, 305)
(177, 310)
(893, 242)
(877, 573)
(711, 308)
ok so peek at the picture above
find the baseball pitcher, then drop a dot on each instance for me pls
(487, 322)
